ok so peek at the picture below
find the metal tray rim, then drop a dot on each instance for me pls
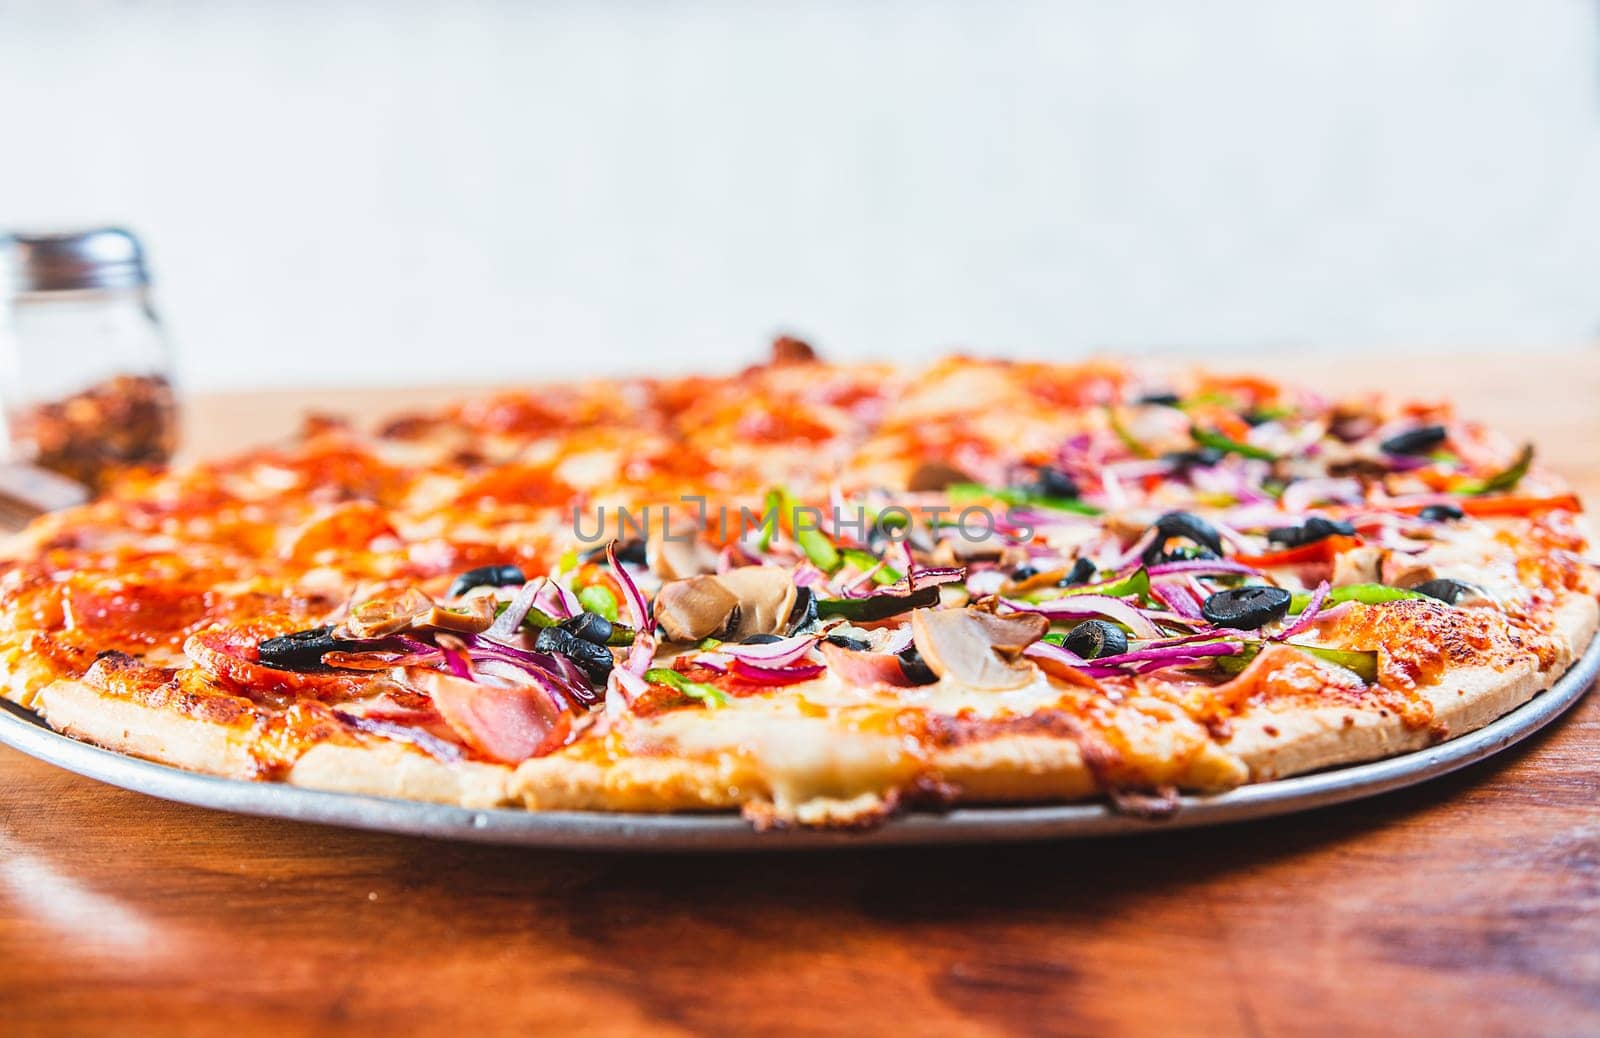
(25, 732)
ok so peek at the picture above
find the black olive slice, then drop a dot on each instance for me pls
(486, 576)
(1420, 440)
(1444, 589)
(1052, 482)
(1315, 529)
(1160, 399)
(803, 613)
(1247, 608)
(844, 641)
(912, 666)
(1441, 513)
(1023, 572)
(594, 660)
(760, 639)
(591, 627)
(1187, 526)
(627, 551)
(1092, 639)
(1081, 572)
(1199, 458)
(303, 650)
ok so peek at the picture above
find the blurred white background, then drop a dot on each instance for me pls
(347, 192)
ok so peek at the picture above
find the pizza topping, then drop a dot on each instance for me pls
(1226, 445)
(978, 649)
(1444, 589)
(1443, 513)
(486, 576)
(878, 606)
(504, 723)
(1309, 612)
(304, 650)
(766, 598)
(388, 613)
(1093, 638)
(1363, 664)
(1080, 606)
(1247, 608)
(1183, 526)
(1366, 594)
(858, 668)
(696, 608)
(1504, 480)
(1419, 440)
(594, 659)
(1315, 529)
(709, 695)
(591, 627)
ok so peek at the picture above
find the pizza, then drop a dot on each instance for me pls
(814, 593)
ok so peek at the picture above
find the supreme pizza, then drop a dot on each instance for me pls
(815, 593)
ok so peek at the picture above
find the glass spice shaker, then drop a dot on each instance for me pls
(85, 369)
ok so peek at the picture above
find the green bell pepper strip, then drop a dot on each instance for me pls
(713, 697)
(772, 508)
(621, 634)
(1128, 439)
(1504, 480)
(865, 560)
(1367, 594)
(878, 607)
(1364, 664)
(812, 541)
(1017, 497)
(1215, 440)
(597, 598)
(1135, 583)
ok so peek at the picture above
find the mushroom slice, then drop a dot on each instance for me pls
(692, 609)
(679, 553)
(766, 597)
(976, 648)
(474, 615)
(935, 475)
(386, 613)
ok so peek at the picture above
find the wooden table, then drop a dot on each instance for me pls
(1471, 904)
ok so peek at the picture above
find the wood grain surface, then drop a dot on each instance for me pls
(1470, 905)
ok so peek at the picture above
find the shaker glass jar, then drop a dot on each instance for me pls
(85, 369)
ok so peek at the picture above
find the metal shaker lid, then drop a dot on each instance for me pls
(67, 261)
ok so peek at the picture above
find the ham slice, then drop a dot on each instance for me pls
(864, 669)
(508, 724)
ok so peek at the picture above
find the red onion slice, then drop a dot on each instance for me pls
(1308, 615)
(1075, 606)
(775, 676)
(1202, 566)
(638, 608)
(771, 654)
(1177, 598)
(506, 624)
(1055, 653)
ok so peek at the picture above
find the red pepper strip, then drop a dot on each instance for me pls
(1317, 551)
(1486, 507)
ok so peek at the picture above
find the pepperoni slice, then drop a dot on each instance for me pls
(230, 654)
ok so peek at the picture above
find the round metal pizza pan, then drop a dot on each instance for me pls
(24, 731)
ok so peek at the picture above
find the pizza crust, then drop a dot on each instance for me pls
(374, 767)
(83, 712)
(1279, 740)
